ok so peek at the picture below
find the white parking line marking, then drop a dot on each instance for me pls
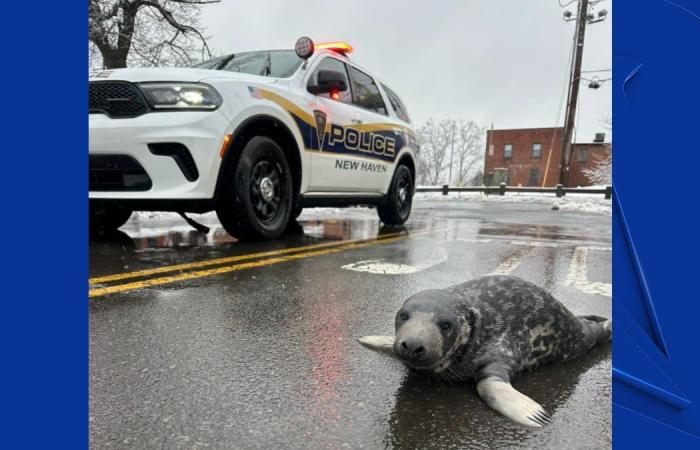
(512, 262)
(477, 240)
(383, 267)
(535, 244)
(578, 278)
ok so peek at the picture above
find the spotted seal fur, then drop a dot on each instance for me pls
(486, 330)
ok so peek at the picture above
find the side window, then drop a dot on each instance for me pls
(396, 104)
(534, 178)
(582, 155)
(536, 150)
(336, 66)
(507, 151)
(365, 92)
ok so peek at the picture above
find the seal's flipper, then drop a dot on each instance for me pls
(598, 329)
(503, 397)
(381, 344)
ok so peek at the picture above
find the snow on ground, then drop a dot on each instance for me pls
(587, 203)
(210, 217)
(156, 222)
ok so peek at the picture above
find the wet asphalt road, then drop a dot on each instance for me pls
(265, 356)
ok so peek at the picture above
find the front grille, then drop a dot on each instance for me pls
(181, 155)
(116, 99)
(117, 173)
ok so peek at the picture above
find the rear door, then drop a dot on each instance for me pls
(379, 135)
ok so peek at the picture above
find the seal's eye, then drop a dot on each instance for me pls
(444, 325)
(403, 316)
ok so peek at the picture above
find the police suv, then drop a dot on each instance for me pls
(256, 136)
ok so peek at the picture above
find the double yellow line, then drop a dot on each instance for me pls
(195, 269)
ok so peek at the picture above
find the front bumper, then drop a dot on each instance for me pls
(201, 132)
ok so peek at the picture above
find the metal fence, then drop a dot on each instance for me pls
(501, 189)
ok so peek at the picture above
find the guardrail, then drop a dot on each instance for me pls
(501, 189)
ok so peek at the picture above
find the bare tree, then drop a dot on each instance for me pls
(468, 150)
(436, 138)
(461, 141)
(601, 171)
(146, 33)
(422, 169)
(477, 178)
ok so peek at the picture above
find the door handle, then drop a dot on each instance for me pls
(357, 121)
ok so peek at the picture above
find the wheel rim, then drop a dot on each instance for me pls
(403, 194)
(266, 190)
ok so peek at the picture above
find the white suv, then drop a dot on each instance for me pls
(256, 136)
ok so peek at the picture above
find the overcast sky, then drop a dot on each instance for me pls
(491, 61)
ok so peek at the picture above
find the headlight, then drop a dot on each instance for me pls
(197, 96)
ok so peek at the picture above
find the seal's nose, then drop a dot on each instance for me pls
(413, 348)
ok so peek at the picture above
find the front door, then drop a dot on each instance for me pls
(355, 146)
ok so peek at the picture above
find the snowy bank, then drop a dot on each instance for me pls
(588, 203)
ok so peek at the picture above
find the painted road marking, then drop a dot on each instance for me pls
(512, 261)
(97, 292)
(578, 278)
(382, 267)
(229, 259)
(472, 240)
(535, 244)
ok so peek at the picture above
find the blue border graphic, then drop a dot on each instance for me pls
(44, 225)
(656, 394)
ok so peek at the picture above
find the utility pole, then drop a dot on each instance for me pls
(583, 17)
(572, 98)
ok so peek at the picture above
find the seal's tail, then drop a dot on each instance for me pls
(598, 329)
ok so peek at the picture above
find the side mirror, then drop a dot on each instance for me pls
(328, 81)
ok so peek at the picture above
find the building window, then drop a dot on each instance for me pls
(534, 179)
(536, 151)
(582, 155)
(507, 151)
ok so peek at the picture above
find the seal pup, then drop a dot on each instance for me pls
(486, 330)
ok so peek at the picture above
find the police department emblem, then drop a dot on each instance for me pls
(320, 127)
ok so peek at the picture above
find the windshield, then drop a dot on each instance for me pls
(269, 63)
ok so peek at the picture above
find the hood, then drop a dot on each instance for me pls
(146, 74)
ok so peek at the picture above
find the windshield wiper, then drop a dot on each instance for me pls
(225, 61)
(267, 70)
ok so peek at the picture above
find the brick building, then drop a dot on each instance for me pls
(525, 156)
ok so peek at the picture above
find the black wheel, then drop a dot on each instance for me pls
(108, 218)
(397, 207)
(256, 201)
(297, 212)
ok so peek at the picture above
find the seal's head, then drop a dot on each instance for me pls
(428, 329)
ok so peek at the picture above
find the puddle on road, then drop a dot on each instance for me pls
(545, 232)
(137, 247)
(140, 239)
(432, 414)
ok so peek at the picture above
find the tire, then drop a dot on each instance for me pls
(397, 206)
(255, 201)
(108, 219)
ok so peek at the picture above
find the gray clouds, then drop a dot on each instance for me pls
(491, 61)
